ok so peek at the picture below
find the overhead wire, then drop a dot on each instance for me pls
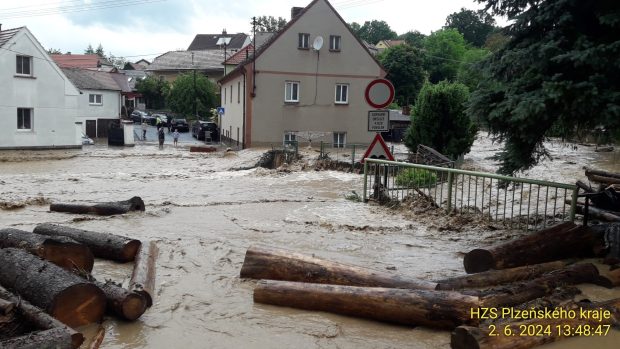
(103, 5)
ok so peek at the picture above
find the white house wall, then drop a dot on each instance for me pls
(50, 95)
(110, 108)
(232, 120)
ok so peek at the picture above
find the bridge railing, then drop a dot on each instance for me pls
(516, 202)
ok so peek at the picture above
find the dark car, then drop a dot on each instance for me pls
(180, 125)
(138, 116)
(200, 127)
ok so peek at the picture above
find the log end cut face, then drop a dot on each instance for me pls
(130, 250)
(478, 260)
(134, 306)
(79, 305)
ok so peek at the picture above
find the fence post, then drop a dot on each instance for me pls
(450, 178)
(353, 158)
(573, 204)
(364, 198)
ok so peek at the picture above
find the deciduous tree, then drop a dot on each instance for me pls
(181, 97)
(439, 120)
(559, 69)
(444, 52)
(374, 31)
(154, 91)
(405, 67)
(269, 24)
(413, 38)
(474, 25)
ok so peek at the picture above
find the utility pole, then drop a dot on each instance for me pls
(194, 89)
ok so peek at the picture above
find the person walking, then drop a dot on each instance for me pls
(162, 137)
(175, 136)
(144, 128)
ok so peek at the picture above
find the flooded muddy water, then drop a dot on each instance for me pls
(204, 214)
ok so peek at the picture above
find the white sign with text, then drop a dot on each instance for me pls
(378, 120)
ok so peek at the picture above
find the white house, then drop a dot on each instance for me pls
(290, 90)
(99, 102)
(38, 104)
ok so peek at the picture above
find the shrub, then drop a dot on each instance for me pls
(416, 178)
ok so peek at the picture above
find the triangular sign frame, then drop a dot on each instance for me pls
(384, 148)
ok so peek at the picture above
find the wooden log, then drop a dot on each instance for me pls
(123, 303)
(104, 245)
(597, 213)
(143, 276)
(544, 285)
(586, 188)
(38, 318)
(10, 325)
(609, 278)
(54, 338)
(102, 209)
(498, 277)
(60, 293)
(591, 171)
(603, 179)
(62, 251)
(96, 343)
(515, 335)
(565, 240)
(262, 262)
(439, 309)
(6, 307)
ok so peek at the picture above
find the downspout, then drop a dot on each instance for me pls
(243, 126)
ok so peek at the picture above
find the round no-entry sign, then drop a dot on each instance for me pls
(379, 93)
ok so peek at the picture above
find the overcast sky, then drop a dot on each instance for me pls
(146, 28)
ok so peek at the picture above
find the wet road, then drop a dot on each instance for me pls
(204, 215)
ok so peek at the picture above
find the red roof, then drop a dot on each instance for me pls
(77, 61)
(240, 55)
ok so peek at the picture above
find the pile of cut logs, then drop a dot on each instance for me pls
(46, 288)
(536, 270)
(602, 203)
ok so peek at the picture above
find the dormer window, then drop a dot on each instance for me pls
(334, 43)
(24, 65)
(304, 40)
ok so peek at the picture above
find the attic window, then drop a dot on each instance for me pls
(23, 65)
(334, 43)
(304, 39)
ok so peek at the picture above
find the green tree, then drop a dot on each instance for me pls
(474, 25)
(181, 97)
(439, 120)
(100, 52)
(470, 72)
(374, 31)
(413, 38)
(89, 50)
(269, 24)
(444, 52)
(154, 91)
(559, 69)
(53, 51)
(355, 27)
(496, 40)
(405, 67)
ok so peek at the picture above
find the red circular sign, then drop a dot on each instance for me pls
(379, 93)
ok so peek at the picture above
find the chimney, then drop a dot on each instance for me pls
(295, 11)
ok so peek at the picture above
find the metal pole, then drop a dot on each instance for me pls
(364, 197)
(573, 205)
(194, 89)
(450, 178)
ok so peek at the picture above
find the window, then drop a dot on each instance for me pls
(342, 94)
(289, 137)
(24, 65)
(231, 93)
(24, 119)
(238, 92)
(225, 95)
(291, 91)
(334, 42)
(95, 99)
(304, 39)
(340, 139)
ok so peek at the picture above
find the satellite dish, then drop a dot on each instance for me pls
(318, 43)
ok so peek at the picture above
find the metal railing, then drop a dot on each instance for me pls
(514, 201)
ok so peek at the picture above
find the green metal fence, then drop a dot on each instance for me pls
(517, 202)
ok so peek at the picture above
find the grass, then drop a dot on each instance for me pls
(416, 178)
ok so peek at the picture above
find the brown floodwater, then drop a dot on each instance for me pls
(204, 214)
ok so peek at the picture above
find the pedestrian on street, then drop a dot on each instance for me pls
(144, 128)
(175, 136)
(162, 137)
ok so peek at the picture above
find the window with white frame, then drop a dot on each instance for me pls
(238, 92)
(23, 65)
(340, 139)
(342, 94)
(303, 41)
(24, 119)
(291, 92)
(224, 99)
(289, 137)
(95, 99)
(231, 92)
(334, 42)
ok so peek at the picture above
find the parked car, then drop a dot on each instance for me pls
(162, 117)
(200, 127)
(138, 115)
(179, 124)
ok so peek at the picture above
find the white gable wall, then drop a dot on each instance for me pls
(51, 96)
(109, 109)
